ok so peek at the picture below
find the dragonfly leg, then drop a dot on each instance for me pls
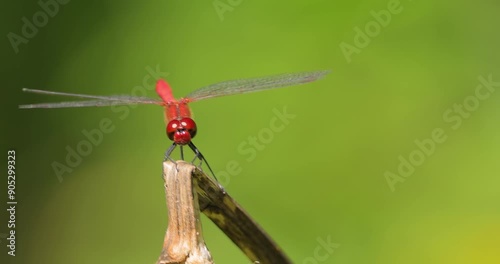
(169, 151)
(201, 157)
(182, 152)
(197, 156)
(167, 156)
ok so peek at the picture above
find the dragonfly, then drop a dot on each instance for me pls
(180, 127)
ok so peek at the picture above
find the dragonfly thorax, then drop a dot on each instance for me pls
(181, 130)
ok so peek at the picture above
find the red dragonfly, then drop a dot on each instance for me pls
(181, 129)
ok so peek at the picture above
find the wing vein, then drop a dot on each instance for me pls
(255, 84)
(100, 100)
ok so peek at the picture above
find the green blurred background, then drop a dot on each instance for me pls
(319, 179)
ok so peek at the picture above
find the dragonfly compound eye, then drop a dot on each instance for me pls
(189, 125)
(172, 127)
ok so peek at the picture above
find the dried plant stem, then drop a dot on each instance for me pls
(186, 186)
(184, 238)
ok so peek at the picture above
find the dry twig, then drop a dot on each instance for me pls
(219, 207)
(184, 238)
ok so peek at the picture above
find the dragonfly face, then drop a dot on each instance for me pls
(181, 131)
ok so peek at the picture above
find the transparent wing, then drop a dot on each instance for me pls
(254, 84)
(72, 104)
(101, 100)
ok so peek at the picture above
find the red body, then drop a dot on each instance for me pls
(180, 127)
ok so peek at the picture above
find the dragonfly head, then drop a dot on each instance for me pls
(181, 131)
